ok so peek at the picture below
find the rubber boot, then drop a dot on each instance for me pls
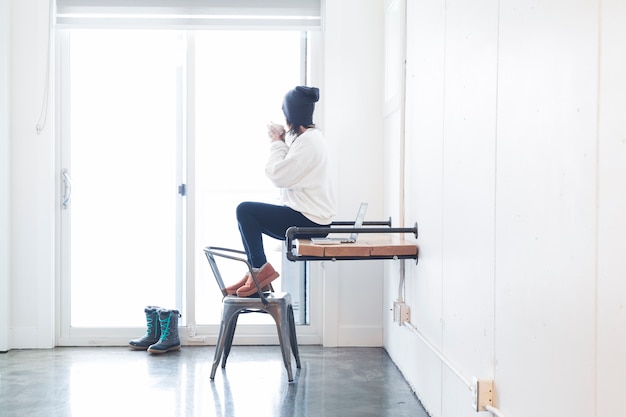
(169, 340)
(152, 334)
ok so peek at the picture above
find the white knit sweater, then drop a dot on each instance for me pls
(302, 173)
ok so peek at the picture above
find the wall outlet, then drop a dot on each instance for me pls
(482, 394)
(401, 313)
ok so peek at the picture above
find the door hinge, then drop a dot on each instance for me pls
(182, 189)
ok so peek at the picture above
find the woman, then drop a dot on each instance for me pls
(301, 171)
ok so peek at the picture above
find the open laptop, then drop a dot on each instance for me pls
(351, 239)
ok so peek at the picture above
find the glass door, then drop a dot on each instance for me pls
(241, 79)
(122, 165)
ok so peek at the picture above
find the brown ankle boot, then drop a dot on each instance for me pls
(232, 290)
(265, 276)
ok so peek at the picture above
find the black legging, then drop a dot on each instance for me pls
(255, 219)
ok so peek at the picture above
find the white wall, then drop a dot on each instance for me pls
(610, 286)
(352, 123)
(31, 289)
(4, 175)
(546, 205)
(516, 166)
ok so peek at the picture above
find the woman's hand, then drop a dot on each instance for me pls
(276, 132)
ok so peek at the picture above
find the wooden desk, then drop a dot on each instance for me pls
(372, 243)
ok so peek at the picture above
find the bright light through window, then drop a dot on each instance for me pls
(241, 79)
(128, 120)
(124, 139)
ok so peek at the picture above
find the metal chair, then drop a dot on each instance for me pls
(277, 304)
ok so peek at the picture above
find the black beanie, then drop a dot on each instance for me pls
(299, 104)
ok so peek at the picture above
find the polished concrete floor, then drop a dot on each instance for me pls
(119, 382)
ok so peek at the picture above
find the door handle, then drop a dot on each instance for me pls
(67, 188)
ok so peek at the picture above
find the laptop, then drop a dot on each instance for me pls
(338, 240)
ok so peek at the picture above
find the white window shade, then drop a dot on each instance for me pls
(182, 14)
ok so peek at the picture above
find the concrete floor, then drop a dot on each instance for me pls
(119, 382)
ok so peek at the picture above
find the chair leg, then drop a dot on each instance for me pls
(293, 338)
(228, 315)
(230, 334)
(219, 348)
(280, 315)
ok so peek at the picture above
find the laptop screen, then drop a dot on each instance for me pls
(359, 220)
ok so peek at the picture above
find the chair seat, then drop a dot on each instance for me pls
(256, 302)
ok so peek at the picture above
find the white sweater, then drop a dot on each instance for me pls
(302, 173)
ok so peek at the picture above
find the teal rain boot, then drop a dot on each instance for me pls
(168, 319)
(152, 334)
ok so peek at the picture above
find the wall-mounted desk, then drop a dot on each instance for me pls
(374, 242)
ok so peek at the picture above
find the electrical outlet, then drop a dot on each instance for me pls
(405, 313)
(482, 394)
(396, 312)
(401, 313)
